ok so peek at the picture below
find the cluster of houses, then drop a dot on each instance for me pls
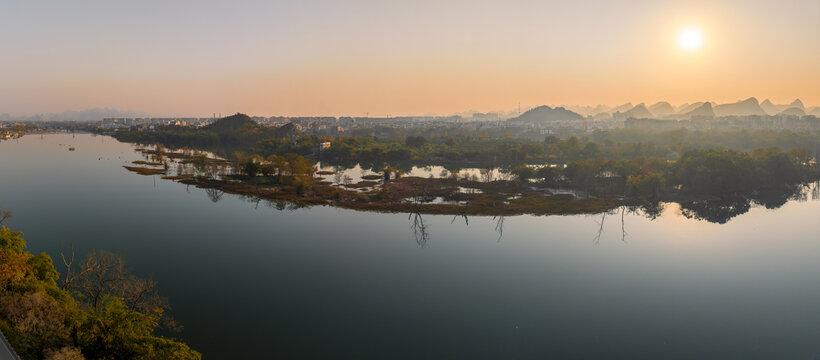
(150, 123)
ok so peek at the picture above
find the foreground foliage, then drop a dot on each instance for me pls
(99, 312)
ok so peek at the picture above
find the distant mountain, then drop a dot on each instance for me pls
(661, 109)
(814, 111)
(233, 123)
(703, 111)
(768, 107)
(690, 107)
(95, 114)
(793, 111)
(602, 116)
(797, 104)
(546, 113)
(746, 107)
(623, 108)
(681, 107)
(639, 112)
(588, 110)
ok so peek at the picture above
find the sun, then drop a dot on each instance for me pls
(690, 39)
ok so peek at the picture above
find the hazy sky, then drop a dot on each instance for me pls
(398, 57)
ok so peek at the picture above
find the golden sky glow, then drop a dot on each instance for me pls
(390, 57)
(690, 39)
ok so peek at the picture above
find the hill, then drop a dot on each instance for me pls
(622, 108)
(768, 107)
(288, 131)
(690, 107)
(796, 111)
(546, 113)
(746, 107)
(662, 108)
(797, 104)
(233, 123)
(702, 111)
(639, 112)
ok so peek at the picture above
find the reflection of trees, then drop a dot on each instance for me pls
(214, 194)
(623, 210)
(499, 226)
(597, 239)
(283, 205)
(652, 210)
(773, 199)
(419, 229)
(623, 227)
(815, 192)
(464, 216)
(716, 211)
(722, 210)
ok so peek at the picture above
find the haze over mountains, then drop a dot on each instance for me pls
(659, 110)
(95, 114)
(665, 110)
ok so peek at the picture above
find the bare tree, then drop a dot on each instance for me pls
(4, 215)
(101, 272)
(70, 274)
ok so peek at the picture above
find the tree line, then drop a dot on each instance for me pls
(457, 147)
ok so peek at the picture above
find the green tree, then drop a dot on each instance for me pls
(523, 173)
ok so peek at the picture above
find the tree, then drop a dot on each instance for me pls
(646, 185)
(278, 163)
(252, 165)
(590, 150)
(117, 320)
(4, 215)
(415, 141)
(523, 173)
(550, 175)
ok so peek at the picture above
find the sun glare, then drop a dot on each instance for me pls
(690, 39)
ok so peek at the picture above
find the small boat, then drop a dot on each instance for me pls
(71, 149)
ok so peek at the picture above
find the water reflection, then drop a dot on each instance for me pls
(499, 226)
(419, 229)
(720, 211)
(214, 194)
(597, 239)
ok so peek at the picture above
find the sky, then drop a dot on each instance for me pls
(377, 58)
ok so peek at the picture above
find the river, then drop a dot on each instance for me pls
(250, 281)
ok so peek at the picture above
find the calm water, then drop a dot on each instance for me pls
(250, 281)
